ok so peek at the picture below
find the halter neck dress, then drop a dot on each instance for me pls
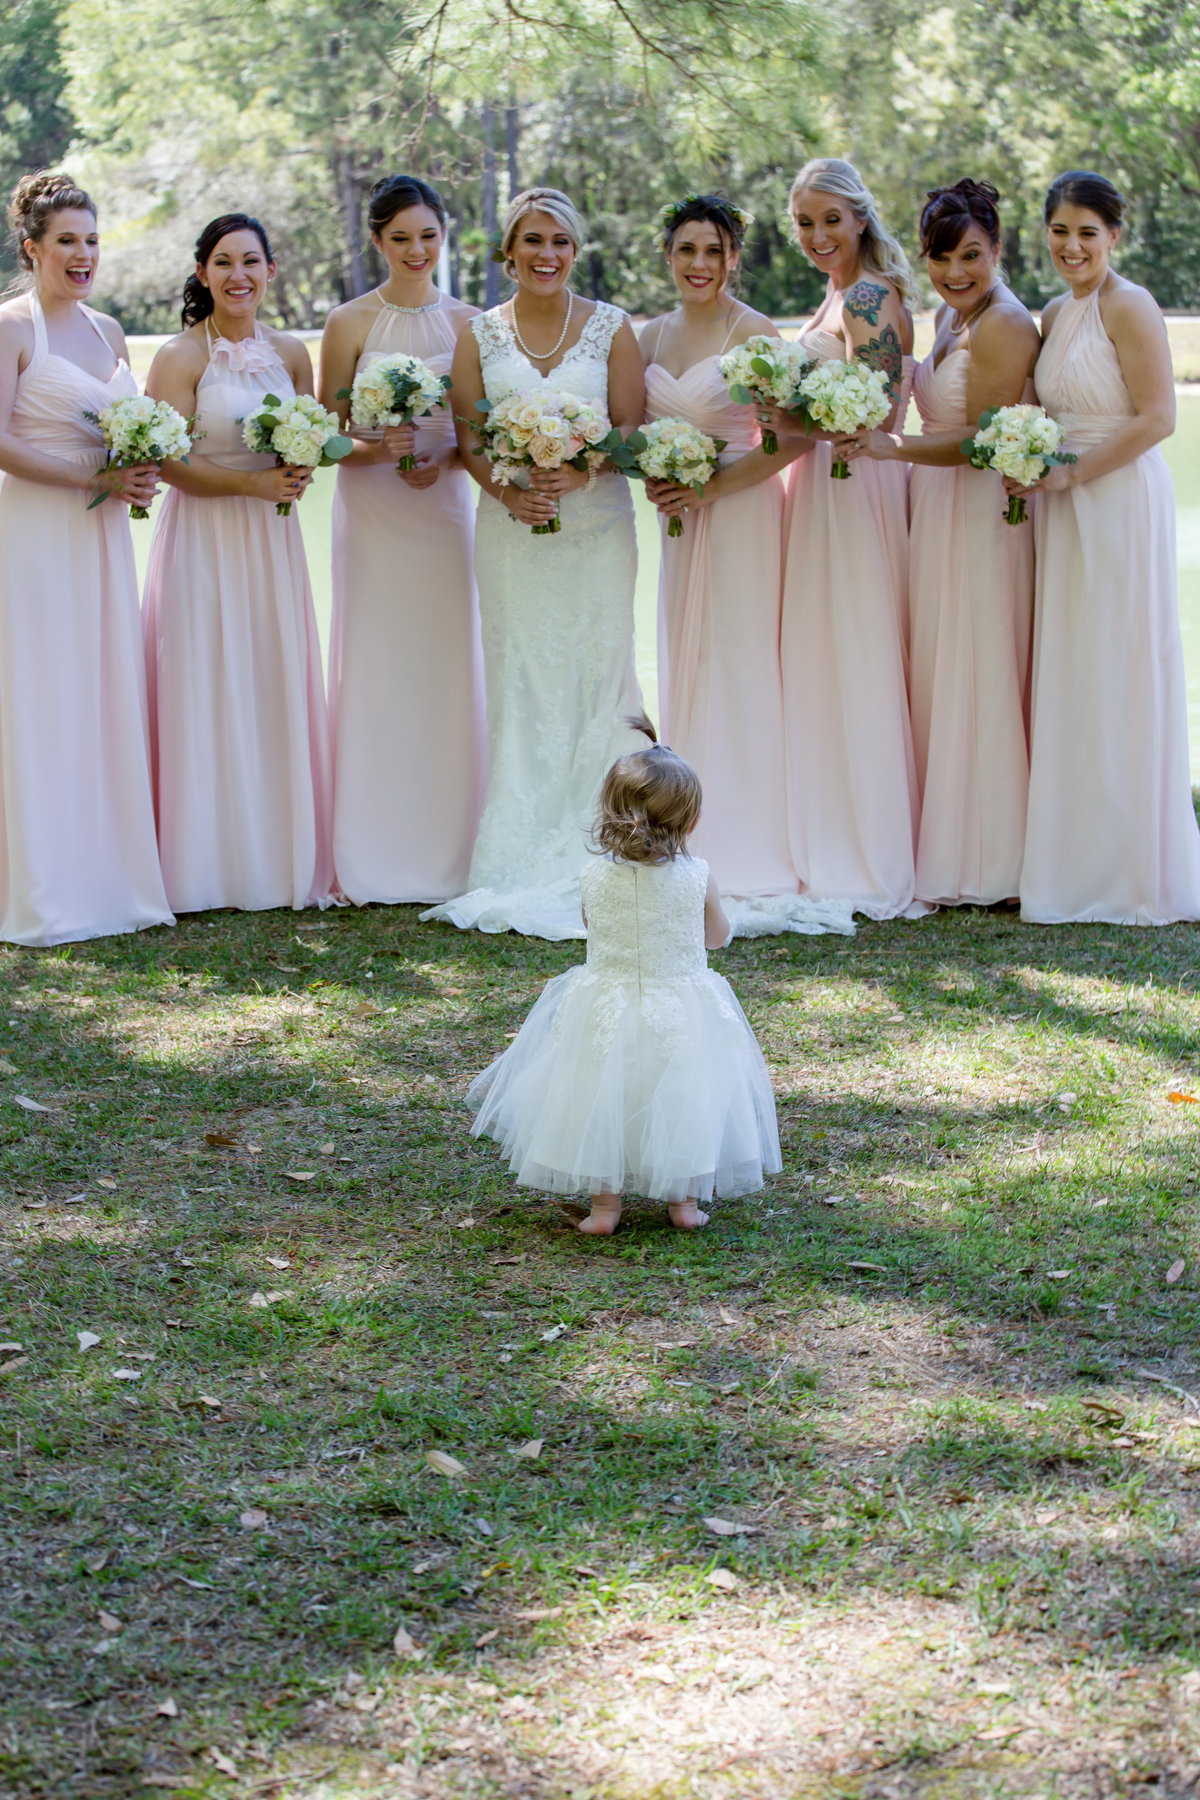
(720, 688)
(852, 786)
(405, 667)
(78, 857)
(234, 664)
(971, 603)
(1112, 832)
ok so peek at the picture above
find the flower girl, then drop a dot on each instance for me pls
(638, 1072)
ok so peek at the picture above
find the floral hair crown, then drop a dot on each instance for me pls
(671, 214)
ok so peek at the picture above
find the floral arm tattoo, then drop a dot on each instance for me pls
(864, 300)
(884, 352)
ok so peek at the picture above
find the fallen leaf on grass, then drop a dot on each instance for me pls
(300, 1174)
(876, 1268)
(404, 1644)
(555, 1331)
(1176, 1271)
(225, 1764)
(463, 1224)
(531, 1615)
(1177, 1098)
(445, 1464)
(489, 1637)
(221, 1140)
(278, 1262)
(94, 1564)
(105, 1182)
(530, 1451)
(1059, 1274)
(5, 1348)
(832, 1199)
(656, 1672)
(725, 1579)
(74, 1199)
(328, 1149)
(168, 1710)
(726, 1317)
(7, 1067)
(995, 1732)
(728, 1528)
(23, 1100)
(206, 1586)
(109, 1622)
(127, 1374)
(260, 1300)
(253, 1519)
(501, 1262)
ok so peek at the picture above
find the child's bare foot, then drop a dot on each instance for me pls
(686, 1215)
(604, 1217)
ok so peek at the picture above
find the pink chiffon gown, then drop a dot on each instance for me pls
(970, 603)
(1112, 832)
(405, 666)
(852, 787)
(78, 857)
(237, 701)
(720, 688)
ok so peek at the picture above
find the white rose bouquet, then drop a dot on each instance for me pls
(141, 430)
(299, 432)
(394, 390)
(1021, 442)
(669, 450)
(546, 430)
(764, 371)
(843, 397)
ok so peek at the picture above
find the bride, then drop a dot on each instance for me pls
(556, 610)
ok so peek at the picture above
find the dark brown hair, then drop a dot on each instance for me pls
(949, 212)
(649, 802)
(198, 302)
(396, 193)
(35, 200)
(1079, 187)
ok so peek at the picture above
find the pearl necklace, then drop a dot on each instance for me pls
(429, 306)
(958, 324)
(544, 355)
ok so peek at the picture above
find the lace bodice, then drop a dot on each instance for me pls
(645, 920)
(583, 371)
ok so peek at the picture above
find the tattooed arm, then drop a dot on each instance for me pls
(877, 330)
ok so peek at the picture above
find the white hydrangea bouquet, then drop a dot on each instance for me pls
(843, 397)
(394, 390)
(669, 450)
(547, 430)
(764, 371)
(298, 432)
(1021, 442)
(141, 430)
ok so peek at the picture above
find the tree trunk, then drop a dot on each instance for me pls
(349, 205)
(491, 270)
(512, 137)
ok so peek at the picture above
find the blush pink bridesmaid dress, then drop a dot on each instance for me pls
(1112, 832)
(720, 686)
(405, 666)
(852, 786)
(971, 602)
(78, 857)
(237, 700)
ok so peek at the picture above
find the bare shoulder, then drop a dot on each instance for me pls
(292, 350)
(111, 330)
(1124, 303)
(351, 315)
(16, 325)
(460, 311)
(185, 353)
(752, 324)
(1004, 322)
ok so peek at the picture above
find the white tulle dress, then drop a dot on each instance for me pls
(638, 1072)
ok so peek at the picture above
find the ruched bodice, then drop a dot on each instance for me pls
(238, 376)
(941, 392)
(430, 335)
(1078, 375)
(645, 920)
(53, 395)
(700, 396)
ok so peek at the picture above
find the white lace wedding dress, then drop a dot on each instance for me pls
(557, 618)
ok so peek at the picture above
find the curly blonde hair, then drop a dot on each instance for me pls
(649, 803)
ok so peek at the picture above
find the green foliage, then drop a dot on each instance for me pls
(35, 125)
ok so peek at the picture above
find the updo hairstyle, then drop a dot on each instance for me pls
(544, 200)
(1079, 187)
(707, 209)
(879, 251)
(35, 200)
(649, 802)
(949, 212)
(198, 302)
(396, 193)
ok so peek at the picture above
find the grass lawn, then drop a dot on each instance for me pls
(939, 1388)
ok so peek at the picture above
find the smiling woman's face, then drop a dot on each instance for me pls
(542, 253)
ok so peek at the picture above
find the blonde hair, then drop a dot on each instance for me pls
(880, 253)
(649, 802)
(545, 200)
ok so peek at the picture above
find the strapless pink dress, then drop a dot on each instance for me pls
(78, 857)
(1112, 832)
(405, 668)
(718, 668)
(852, 786)
(971, 601)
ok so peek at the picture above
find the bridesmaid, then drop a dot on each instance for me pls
(405, 667)
(237, 703)
(1112, 831)
(719, 680)
(77, 852)
(970, 574)
(852, 789)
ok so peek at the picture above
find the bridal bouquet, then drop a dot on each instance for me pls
(394, 390)
(764, 371)
(1021, 442)
(843, 397)
(668, 450)
(546, 430)
(299, 432)
(140, 430)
